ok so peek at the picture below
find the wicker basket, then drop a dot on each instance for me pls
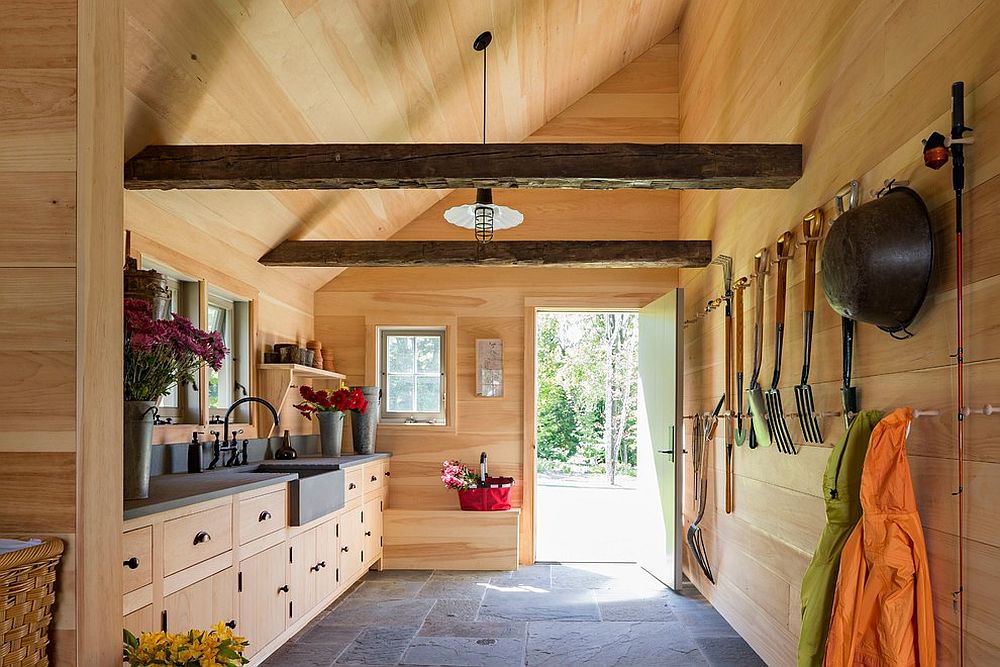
(27, 591)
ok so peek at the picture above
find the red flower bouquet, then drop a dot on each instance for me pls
(341, 400)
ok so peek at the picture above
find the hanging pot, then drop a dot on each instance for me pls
(877, 261)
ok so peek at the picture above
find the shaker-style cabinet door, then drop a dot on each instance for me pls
(264, 597)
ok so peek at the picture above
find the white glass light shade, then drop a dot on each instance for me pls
(464, 215)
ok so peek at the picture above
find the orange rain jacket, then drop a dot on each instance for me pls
(882, 612)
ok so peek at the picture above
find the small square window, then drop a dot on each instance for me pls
(412, 376)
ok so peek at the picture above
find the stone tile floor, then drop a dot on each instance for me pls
(592, 615)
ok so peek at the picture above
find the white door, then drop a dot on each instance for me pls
(660, 461)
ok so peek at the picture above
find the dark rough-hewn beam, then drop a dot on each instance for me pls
(437, 166)
(580, 254)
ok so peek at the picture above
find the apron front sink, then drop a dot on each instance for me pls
(317, 492)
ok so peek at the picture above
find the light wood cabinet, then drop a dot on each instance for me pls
(139, 621)
(191, 539)
(137, 558)
(327, 575)
(262, 515)
(371, 525)
(353, 483)
(302, 564)
(202, 604)
(352, 543)
(264, 599)
(374, 477)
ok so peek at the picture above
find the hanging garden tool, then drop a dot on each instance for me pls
(760, 435)
(695, 540)
(739, 431)
(697, 444)
(726, 262)
(936, 151)
(812, 228)
(775, 414)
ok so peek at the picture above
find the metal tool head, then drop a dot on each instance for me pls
(777, 425)
(808, 419)
(758, 415)
(696, 542)
(726, 262)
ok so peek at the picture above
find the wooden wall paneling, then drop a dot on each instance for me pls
(860, 100)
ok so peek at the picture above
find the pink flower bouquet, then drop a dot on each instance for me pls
(458, 476)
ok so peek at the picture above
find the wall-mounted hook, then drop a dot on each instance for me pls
(925, 413)
(851, 193)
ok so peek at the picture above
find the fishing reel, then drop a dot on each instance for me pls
(937, 148)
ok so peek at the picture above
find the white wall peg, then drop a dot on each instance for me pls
(925, 413)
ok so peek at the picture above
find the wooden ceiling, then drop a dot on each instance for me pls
(300, 71)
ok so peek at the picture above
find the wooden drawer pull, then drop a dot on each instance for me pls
(202, 537)
(283, 589)
(264, 516)
(374, 478)
(352, 486)
(231, 624)
(132, 563)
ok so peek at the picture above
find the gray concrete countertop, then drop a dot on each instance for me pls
(167, 492)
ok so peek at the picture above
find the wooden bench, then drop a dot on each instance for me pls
(450, 540)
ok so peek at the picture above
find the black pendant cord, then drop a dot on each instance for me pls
(484, 96)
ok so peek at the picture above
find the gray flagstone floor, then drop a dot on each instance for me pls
(591, 615)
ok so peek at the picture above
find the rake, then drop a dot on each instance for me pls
(777, 426)
(812, 228)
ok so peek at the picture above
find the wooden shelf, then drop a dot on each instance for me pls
(302, 371)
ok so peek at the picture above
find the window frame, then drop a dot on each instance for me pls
(227, 374)
(386, 416)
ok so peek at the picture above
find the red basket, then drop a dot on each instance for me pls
(495, 497)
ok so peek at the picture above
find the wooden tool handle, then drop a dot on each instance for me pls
(812, 228)
(738, 317)
(784, 251)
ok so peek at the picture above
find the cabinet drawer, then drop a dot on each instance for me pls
(191, 539)
(262, 515)
(137, 558)
(353, 483)
(373, 476)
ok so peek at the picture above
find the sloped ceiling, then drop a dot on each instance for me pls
(300, 71)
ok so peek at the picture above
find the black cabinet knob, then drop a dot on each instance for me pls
(283, 589)
(374, 478)
(132, 563)
(352, 486)
(314, 568)
(386, 473)
(322, 563)
(344, 549)
(202, 537)
(264, 516)
(231, 624)
(368, 533)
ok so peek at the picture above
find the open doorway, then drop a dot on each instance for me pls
(587, 384)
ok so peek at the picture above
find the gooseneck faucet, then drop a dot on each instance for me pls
(232, 447)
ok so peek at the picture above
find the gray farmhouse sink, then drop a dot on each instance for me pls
(318, 491)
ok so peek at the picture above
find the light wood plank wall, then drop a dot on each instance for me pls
(639, 103)
(60, 287)
(859, 84)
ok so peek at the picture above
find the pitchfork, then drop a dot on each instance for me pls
(776, 424)
(812, 227)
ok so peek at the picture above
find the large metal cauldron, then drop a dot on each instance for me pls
(877, 260)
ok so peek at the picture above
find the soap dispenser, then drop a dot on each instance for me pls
(194, 454)
(286, 451)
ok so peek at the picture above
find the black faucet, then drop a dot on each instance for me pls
(232, 447)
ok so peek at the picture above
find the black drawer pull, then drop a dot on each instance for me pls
(132, 563)
(231, 624)
(386, 473)
(283, 589)
(264, 516)
(368, 533)
(352, 486)
(374, 478)
(344, 549)
(202, 537)
(322, 563)
(314, 568)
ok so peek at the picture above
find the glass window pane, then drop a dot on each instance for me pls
(428, 354)
(399, 397)
(217, 319)
(213, 389)
(400, 354)
(429, 393)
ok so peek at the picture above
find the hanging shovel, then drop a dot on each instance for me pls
(726, 262)
(740, 433)
(812, 228)
(775, 414)
(695, 539)
(760, 435)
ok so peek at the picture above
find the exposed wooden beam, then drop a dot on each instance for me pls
(445, 166)
(580, 254)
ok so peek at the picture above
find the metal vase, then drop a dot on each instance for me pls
(137, 434)
(363, 426)
(331, 432)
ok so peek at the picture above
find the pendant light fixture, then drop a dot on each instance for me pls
(483, 216)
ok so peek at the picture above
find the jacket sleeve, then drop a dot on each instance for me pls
(926, 646)
(842, 639)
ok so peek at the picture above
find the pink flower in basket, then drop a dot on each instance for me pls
(458, 476)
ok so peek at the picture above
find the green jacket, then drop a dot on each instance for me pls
(842, 491)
